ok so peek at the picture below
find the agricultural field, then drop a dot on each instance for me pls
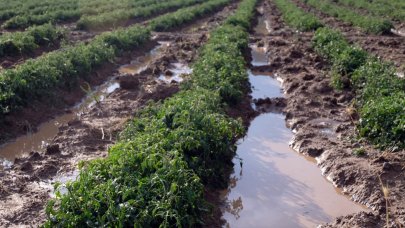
(202, 113)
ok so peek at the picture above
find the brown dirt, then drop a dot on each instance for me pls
(390, 47)
(26, 186)
(324, 123)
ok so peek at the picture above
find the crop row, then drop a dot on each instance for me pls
(36, 78)
(296, 17)
(380, 92)
(155, 175)
(28, 14)
(29, 40)
(26, 20)
(109, 6)
(14, 8)
(367, 23)
(382, 8)
(121, 16)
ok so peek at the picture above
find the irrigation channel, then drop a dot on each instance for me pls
(39, 140)
(272, 185)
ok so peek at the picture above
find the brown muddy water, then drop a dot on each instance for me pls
(273, 185)
(39, 140)
(140, 64)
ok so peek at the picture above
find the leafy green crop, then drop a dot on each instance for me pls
(368, 23)
(380, 92)
(27, 41)
(155, 175)
(297, 18)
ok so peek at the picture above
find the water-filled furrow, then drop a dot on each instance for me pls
(38, 140)
(273, 185)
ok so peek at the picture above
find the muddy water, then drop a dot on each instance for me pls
(272, 185)
(276, 187)
(177, 70)
(264, 86)
(140, 64)
(263, 26)
(35, 141)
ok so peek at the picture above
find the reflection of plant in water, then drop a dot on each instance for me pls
(92, 96)
(234, 207)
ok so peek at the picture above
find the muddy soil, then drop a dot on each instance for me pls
(390, 47)
(27, 185)
(323, 123)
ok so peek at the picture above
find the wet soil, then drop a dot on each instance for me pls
(390, 47)
(323, 122)
(26, 185)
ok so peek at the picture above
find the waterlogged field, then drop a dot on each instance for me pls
(202, 113)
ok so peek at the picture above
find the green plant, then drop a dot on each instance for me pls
(380, 93)
(369, 24)
(155, 175)
(297, 18)
(359, 152)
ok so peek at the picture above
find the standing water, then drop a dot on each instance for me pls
(275, 186)
(46, 132)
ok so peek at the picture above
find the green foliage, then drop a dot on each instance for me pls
(37, 77)
(380, 92)
(182, 16)
(29, 40)
(244, 15)
(359, 152)
(383, 120)
(221, 66)
(369, 24)
(24, 21)
(297, 18)
(331, 45)
(121, 16)
(379, 8)
(155, 175)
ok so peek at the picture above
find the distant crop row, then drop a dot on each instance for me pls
(296, 17)
(34, 7)
(98, 7)
(29, 40)
(62, 11)
(37, 77)
(155, 175)
(380, 92)
(378, 8)
(367, 23)
(121, 16)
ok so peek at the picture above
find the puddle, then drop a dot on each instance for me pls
(141, 63)
(34, 141)
(176, 72)
(264, 86)
(272, 185)
(259, 55)
(278, 187)
(263, 26)
(38, 140)
(398, 32)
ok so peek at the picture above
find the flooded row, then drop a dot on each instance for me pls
(39, 140)
(273, 185)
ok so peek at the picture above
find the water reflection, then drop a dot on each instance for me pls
(264, 86)
(279, 188)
